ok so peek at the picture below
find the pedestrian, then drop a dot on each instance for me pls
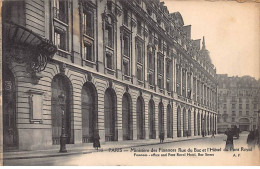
(161, 136)
(187, 133)
(229, 140)
(213, 134)
(96, 142)
(251, 139)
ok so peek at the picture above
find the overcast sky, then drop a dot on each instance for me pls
(231, 33)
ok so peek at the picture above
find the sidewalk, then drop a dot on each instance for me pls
(88, 148)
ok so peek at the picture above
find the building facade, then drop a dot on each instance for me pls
(128, 70)
(238, 102)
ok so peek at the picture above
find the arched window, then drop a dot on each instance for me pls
(110, 111)
(140, 118)
(152, 131)
(89, 112)
(127, 117)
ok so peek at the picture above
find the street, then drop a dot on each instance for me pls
(206, 151)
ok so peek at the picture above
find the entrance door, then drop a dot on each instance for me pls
(60, 85)
(10, 136)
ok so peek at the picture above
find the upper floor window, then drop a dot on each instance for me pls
(255, 106)
(109, 40)
(160, 65)
(126, 67)
(126, 46)
(60, 10)
(109, 61)
(139, 73)
(88, 52)
(150, 61)
(168, 69)
(151, 79)
(233, 106)
(139, 27)
(160, 44)
(150, 36)
(240, 100)
(139, 53)
(125, 17)
(88, 23)
(60, 39)
(247, 106)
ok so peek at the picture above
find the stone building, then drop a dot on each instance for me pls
(128, 70)
(238, 102)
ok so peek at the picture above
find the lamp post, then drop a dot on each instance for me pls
(63, 137)
(203, 126)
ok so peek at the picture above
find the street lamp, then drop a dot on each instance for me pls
(63, 137)
(203, 126)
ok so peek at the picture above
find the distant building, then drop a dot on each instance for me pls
(238, 102)
(128, 69)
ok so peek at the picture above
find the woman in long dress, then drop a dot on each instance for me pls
(96, 142)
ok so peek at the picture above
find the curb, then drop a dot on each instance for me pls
(93, 151)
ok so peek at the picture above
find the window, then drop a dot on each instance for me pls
(225, 106)
(240, 113)
(233, 99)
(160, 84)
(150, 36)
(255, 106)
(247, 106)
(60, 10)
(150, 58)
(240, 106)
(88, 23)
(233, 106)
(233, 119)
(240, 100)
(139, 54)
(233, 113)
(159, 44)
(109, 60)
(168, 86)
(88, 52)
(247, 112)
(126, 45)
(150, 78)
(125, 18)
(109, 36)
(60, 39)
(160, 65)
(168, 69)
(139, 27)
(225, 112)
(168, 51)
(125, 68)
(139, 74)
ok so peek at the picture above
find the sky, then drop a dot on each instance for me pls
(231, 30)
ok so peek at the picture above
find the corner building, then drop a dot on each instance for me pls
(128, 69)
(238, 102)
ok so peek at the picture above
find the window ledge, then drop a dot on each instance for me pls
(61, 22)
